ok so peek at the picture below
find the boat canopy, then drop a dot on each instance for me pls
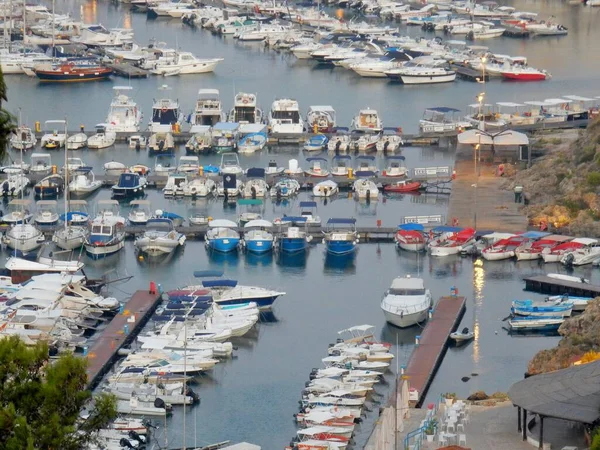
(258, 223)
(226, 126)
(575, 98)
(366, 157)
(362, 328)
(510, 104)
(255, 172)
(249, 128)
(506, 138)
(446, 229)
(411, 227)
(200, 129)
(585, 241)
(497, 236)
(325, 108)
(294, 219)
(208, 94)
(222, 223)
(535, 234)
(316, 159)
(443, 109)
(308, 204)
(397, 157)
(208, 273)
(249, 201)
(342, 221)
(342, 157)
(365, 173)
(219, 283)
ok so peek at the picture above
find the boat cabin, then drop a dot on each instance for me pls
(244, 109)
(208, 108)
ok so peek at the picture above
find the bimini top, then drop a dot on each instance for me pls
(397, 157)
(534, 234)
(446, 229)
(219, 283)
(570, 394)
(308, 204)
(258, 223)
(129, 180)
(222, 223)
(255, 172)
(411, 227)
(443, 109)
(208, 273)
(342, 221)
(365, 173)
(357, 328)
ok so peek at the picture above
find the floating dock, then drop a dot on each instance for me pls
(127, 70)
(433, 342)
(556, 286)
(118, 333)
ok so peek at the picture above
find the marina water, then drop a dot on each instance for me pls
(253, 396)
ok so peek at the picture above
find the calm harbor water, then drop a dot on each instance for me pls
(253, 396)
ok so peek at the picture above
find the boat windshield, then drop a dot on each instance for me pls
(244, 114)
(164, 116)
(404, 291)
(294, 116)
(99, 229)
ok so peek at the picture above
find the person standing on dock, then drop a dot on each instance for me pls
(518, 190)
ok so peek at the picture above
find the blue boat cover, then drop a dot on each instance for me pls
(70, 215)
(208, 273)
(411, 227)
(398, 157)
(170, 215)
(203, 299)
(308, 204)
(342, 220)
(211, 169)
(534, 234)
(446, 229)
(364, 173)
(316, 159)
(219, 283)
(255, 172)
(129, 180)
(443, 109)
(342, 157)
(294, 219)
(369, 157)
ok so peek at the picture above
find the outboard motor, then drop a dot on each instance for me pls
(278, 193)
(138, 437)
(125, 443)
(138, 146)
(338, 144)
(339, 341)
(159, 403)
(569, 259)
(253, 191)
(161, 145)
(465, 330)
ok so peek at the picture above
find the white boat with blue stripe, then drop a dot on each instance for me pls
(341, 237)
(222, 236)
(258, 237)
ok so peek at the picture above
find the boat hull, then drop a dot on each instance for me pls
(414, 247)
(524, 76)
(259, 245)
(224, 245)
(497, 256)
(101, 251)
(340, 247)
(292, 245)
(445, 251)
(63, 77)
(405, 320)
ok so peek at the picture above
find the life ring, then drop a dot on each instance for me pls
(164, 110)
(245, 101)
(399, 130)
(468, 10)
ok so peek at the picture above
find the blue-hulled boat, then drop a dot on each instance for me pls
(579, 303)
(523, 308)
(129, 185)
(316, 143)
(222, 236)
(257, 237)
(341, 237)
(173, 217)
(50, 186)
(294, 239)
(539, 323)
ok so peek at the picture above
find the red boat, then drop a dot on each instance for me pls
(525, 74)
(403, 186)
(411, 237)
(72, 73)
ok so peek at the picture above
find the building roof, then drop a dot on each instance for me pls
(570, 394)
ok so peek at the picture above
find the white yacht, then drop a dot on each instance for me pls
(262, 32)
(245, 109)
(407, 302)
(208, 109)
(421, 74)
(165, 115)
(284, 118)
(23, 139)
(367, 120)
(184, 63)
(124, 114)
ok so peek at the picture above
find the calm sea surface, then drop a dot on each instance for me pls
(253, 396)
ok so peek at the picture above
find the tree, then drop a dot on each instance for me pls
(40, 400)
(7, 123)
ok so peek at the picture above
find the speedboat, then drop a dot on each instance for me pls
(129, 185)
(525, 74)
(339, 168)
(321, 119)
(293, 168)
(77, 141)
(46, 213)
(411, 237)
(188, 164)
(403, 186)
(102, 139)
(460, 337)
(230, 188)
(52, 139)
(561, 250)
(114, 168)
(367, 120)
(582, 256)
(14, 186)
(284, 118)
(164, 165)
(140, 212)
(124, 115)
(23, 138)
(256, 186)
(84, 183)
(395, 167)
(166, 115)
(503, 249)
(366, 189)
(534, 249)
(341, 237)
(327, 188)
(407, 302)
(74, 164)
(316, 143)
(222, 236)
(106, 235)
(539, 323)
(366, 142)
(285, 188)
(318, 168)
(50, 186)
(160, 237)
(421, 74)
(293, 240)
(23, 237)
(137, 141)
(183, 63)
(230, 164)
(389, 143)
(257, 237)
(161, 143)
(199, 187)
(41, 166)
(252, 142)
(339, 143)
(175, 184)
(273, 169)
(451, 241)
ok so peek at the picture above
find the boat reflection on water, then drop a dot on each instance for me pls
(259, 259)
(156, 260)
(399, 196)
(342, 264)
(108, 262)
(268, 317)
(297, 260)
(229, 259)
(404, 336)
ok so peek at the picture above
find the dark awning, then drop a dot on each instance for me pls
(570, 394)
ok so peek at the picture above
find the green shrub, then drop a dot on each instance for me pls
(556, 141)
(593, 179)
(574, 206)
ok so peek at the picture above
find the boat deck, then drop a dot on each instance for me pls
(118, 333)
(127, 70)
(428, 355)
(549, 285)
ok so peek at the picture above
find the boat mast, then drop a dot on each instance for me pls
(53, 51)
(184, 376)
(66, 196)
(12, 25)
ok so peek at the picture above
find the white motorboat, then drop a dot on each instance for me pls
(208, 110)
(582, 256)
(200, 140)
(123, 114)
(106, 235)
(339, 143)
(102, 139)
(262, 32)
(137, 141)
(451, 242)
(252, 142)
(136, 407)
(340, 166)
(273, 169)
(487, 120)
(366, 142)
(84, 183)
(140, 212)
(41, 165)
(230, 164)
(293, 168)
(421, 75)
(115, 168)
(46, 213)
(183, 63)
(547, 28)
(77, 141)
(317, 168)
(159, 238)
(407, 302)
(175, 184)
(24, 237)
(74, 164)
(558, 252)
(284, 118)
(188, 164)
(23, 138)
(231, 191)
(18, 212)
(367, 120)
(245, 109)
(161, 143)
(285, 188)
(255, 186)
(366, 189)
(53, 138)
(199, 187)
(463, 336)
(321, 119)
(14, 186)
(389, 143)
(164, 165)
(327, 188)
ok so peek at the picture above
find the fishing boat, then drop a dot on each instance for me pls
(106, 235)
(451, 240)
(23, 237)
(77, 141)
(407, 302)
(41, 166)
(285, 188)
(316, 143)
(252, 142)
(208, 110)
(159, 238)
(460, 337)
(69, 72)
(411, 237)
(129, 185)
(199, 188)
(124, 114)
(102, 139)
(50, 186)
(245, 109)
(140, 212)
(284, 118)
(321, 119)
(561, 250)
(222, 236)
(403, 186)
(317, 168)
(534, 309)
(341, 237)
(257, 236)
(327, 188)
(23, 138)
(84, 183)
(294, 239)
(166, 115)
(365, 188)
(46, 213)
(339, 142)
(539, 323)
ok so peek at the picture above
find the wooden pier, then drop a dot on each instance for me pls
(118, 333)
(556, 286)
(127, 70)
(433, 342)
